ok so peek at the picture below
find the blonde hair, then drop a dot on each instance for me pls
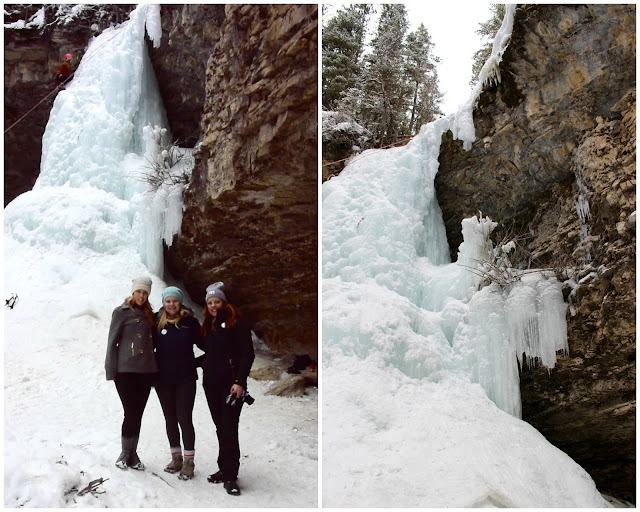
(146, 308)
(164, 319)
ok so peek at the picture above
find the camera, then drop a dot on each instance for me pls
(245, 397)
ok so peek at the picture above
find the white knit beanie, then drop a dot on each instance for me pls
(215, 290)
(141, 283)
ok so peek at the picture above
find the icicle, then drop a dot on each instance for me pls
(463, 128)
(153, 24)
(584, 214)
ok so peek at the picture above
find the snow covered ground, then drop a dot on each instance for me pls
(71, 247)
(62, 425)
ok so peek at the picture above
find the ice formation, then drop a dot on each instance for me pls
(91, 191)
(420, 355)
(462, 125)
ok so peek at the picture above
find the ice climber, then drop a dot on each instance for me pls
(177, 330)
(64, 71)
(226, 364)
(131, 363)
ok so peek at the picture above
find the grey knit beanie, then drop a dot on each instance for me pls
(215, 290)
(141, 283)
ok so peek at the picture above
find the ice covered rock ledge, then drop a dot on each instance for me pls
(565, 108)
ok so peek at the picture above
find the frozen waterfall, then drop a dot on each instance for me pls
(102, 136)
(421, 392)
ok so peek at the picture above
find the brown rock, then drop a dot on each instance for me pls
(294, 386)
(251, 208)
(266, 373)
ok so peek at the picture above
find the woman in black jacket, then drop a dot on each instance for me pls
(176, 332)
(227, 361)
(131, 363)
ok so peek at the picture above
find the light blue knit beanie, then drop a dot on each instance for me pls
(173, 291)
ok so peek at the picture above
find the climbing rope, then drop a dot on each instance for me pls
(60, 85)
(355, 159)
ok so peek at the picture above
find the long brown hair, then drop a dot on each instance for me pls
(146, 308)
(232, 317)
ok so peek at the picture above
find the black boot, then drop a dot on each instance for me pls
(125, 454)
(134, 460)
(232, 487)
(216, 478)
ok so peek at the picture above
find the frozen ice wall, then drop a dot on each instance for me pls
(421, 387)
(90, 202)
(100, 116)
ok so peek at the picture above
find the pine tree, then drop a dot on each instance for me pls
(422, 79)
(342, 48)
(384, 86)
(487, 29)
(393, 89)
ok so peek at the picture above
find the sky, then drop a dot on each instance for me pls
(452, 27)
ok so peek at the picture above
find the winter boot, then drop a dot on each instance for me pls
(125, 454)
(134, 460)
(232, 487)
(216, 478)
(176, 460)
(186, 473)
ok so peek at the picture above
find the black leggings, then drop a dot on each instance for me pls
(133, 389)
(177, 402)
(226, 419)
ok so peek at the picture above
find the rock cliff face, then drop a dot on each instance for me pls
(554, 161)
(251, 208)
(189, 33)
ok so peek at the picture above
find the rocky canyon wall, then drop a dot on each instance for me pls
(554, 163)
(251, 208)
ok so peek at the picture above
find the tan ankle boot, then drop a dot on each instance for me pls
(186, 473)
(176, 463)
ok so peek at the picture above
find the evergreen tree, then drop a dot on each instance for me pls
(422, 79)
(429, 103)
(384, 87)
(342, 48)
(393, 89)
(487, 29)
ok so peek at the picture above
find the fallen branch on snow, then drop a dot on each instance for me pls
(92, 486)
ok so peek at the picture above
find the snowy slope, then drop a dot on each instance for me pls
(71, 247)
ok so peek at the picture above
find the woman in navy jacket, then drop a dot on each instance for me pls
(176, 332)
(228, 358)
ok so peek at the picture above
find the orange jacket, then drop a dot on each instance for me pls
(65, 68)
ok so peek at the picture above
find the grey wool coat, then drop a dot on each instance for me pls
(130, 346)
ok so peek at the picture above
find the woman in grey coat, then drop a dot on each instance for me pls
(131, 363)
